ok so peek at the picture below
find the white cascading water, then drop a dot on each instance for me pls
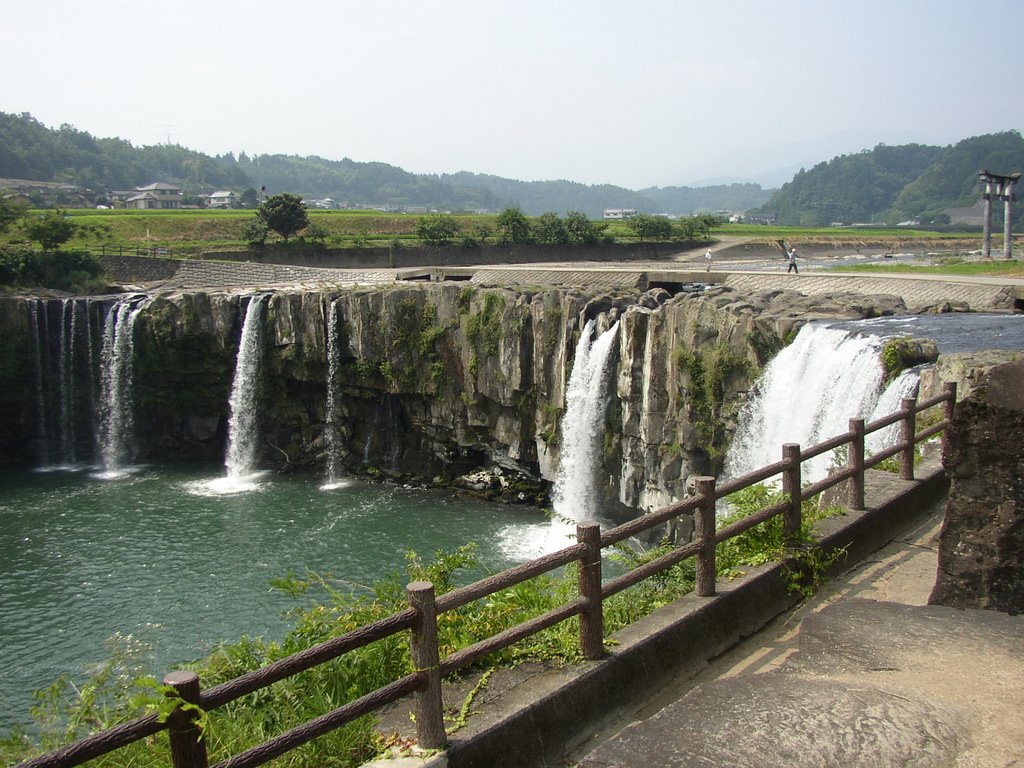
(116, 410)
(331, 436)
(37, 312)
(807, 394)
(904, 385)
(574, 492)
(243, 421)
(66, 365)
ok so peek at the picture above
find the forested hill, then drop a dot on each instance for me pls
(30, 150)
(894, 184)
(885, 184)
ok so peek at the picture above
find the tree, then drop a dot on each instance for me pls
(9, 214)
(437, 228)
(513, 226)
(51, 229)
(581, 230)
(646, 227)
(285, 214)
(550, 229)
(255, 232)
(697, 227)
(248, 197)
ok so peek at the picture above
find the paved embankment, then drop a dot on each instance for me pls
(978, 294)
(916, 291)
(533, 716)
(865, 674)
(198, 274)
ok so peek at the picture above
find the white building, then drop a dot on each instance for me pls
(155, 196)
(221, 199)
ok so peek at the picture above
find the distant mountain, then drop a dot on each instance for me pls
(30, 150)
(710, 199)
(885, 184)
(893, 184)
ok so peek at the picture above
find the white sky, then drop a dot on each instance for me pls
(638, 93)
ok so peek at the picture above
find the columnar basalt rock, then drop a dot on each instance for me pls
(441, 380)
(981, 545)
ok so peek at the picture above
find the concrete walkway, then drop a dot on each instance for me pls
(864, 674)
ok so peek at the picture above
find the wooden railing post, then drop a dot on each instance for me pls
(592, 618)
(908, 426)
(426, 658)
(855, 463)
(948, 409)
(188, 748)
(704, 522)
(791, 518)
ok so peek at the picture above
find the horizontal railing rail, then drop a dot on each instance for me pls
(188, 749)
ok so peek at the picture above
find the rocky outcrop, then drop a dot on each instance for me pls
(442, 381)
(981, 545)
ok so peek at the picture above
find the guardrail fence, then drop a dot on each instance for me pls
(188, 750)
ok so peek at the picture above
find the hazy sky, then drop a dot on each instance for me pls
(638, 93)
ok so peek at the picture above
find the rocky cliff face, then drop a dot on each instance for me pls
(437, 381)
(981, 546)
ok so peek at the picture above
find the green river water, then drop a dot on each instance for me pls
(155, 554)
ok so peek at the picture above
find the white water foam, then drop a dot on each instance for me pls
(116, 417)
(331, 428)
(243, 421)
(807, 394)
(582, 426)
(904, 385)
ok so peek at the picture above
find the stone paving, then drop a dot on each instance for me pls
(197, 274)
(978, 294)
(916, 292)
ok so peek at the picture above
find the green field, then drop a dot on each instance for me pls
(189, 233)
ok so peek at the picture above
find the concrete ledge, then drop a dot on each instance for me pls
(538, 720)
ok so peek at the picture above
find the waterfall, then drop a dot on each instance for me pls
(807, 394)
(66, 381)
(116, 408)
(582, 426)
(575, 497)
(243, 422)
(904, 385)
(40, 337)
(332, 436)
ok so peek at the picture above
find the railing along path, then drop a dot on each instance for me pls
(188, 749)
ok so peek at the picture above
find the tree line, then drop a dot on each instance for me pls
(512, 226)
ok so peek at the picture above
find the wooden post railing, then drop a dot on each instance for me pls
(704, 523)
(188, 748)
(948, 408)
(592, 617)
(791, 518)
(426, 658)
(908, 427)
(855, 463)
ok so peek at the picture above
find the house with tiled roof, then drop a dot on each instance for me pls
(155, 196)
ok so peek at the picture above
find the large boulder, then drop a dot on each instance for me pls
(981, 549)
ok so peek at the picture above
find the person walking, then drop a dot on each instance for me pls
(707, 261)
(792, 261)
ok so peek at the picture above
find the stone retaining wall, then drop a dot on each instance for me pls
(196, 274)
(915, 292)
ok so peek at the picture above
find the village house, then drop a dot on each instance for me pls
(155, 196)
(619, 213)
(221, 199)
